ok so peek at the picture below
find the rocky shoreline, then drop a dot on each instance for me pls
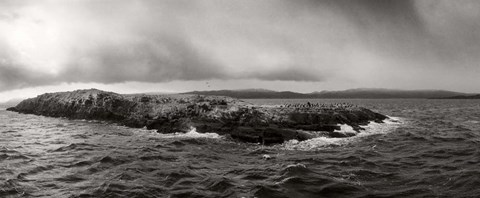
(223, 115)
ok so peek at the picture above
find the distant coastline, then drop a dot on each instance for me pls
(476, 96)
(363, 93)
(359, 93)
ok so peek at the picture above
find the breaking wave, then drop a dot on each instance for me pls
(190, 134)
(427, 151)
(193, 134)
(372, 128)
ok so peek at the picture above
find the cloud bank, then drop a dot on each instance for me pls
(52, 42)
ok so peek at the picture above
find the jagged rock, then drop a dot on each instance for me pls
(338, 134)
(11, 109)
(223, 115)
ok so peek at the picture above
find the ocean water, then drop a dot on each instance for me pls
(429, 148)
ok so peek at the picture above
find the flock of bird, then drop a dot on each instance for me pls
(320, 105)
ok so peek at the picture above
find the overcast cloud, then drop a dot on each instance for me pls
(381, 43)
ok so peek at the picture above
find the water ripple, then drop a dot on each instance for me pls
(428, 149)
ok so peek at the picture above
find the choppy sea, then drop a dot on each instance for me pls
(429, 148)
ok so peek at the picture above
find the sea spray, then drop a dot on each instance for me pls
(372, 128)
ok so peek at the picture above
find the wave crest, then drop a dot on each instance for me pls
(372, 128)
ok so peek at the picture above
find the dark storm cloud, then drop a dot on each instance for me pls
(288, 74)
(454, 28)
(155, 60)
(273, 40)
(150, 41)
(432, 31)
(389, 27)
(14, 77)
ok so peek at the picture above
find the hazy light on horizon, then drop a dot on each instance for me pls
(302, 45)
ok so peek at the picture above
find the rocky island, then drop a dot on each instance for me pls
(223, 115)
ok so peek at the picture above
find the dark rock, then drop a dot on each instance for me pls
(319, 127)
(179, 113)
(338, 134)
(12, 109)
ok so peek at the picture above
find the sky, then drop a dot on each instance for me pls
(132, 46)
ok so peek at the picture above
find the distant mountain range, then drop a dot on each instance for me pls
(349, 93)
(367, 93)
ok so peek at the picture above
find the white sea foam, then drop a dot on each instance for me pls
(190, 134)
(371, 129)
(194, 134)
(344, 128)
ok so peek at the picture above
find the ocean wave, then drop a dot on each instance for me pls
(428, 151)
(190, 134)
(194, 134)
(320, 142)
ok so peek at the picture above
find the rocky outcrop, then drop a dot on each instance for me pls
(223, 115)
